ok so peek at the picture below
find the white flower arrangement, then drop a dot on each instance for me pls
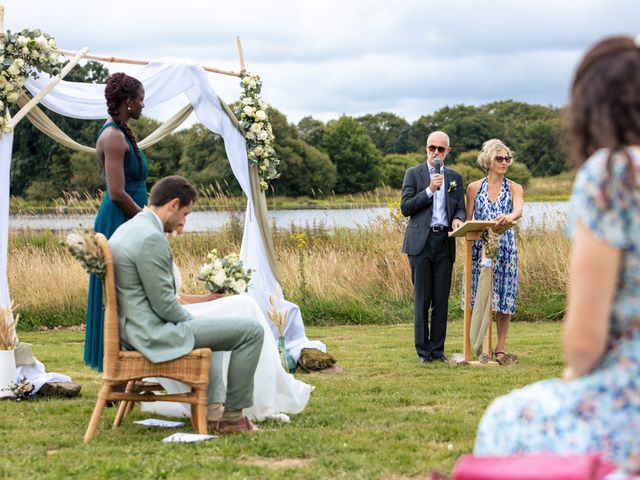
(224, 275)
(23, 54)
(254, 120)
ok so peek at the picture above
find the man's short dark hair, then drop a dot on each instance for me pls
(172, 187)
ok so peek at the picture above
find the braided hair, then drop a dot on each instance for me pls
(605, 103)
(119, 88)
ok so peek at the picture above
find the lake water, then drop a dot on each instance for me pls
(536, 215)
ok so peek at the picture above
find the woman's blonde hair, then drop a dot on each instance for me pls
(489, 150)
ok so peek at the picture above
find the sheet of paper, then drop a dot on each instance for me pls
(188, 437)
(155, 422)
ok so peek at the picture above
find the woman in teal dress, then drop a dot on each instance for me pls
(125, 169)
(595, 407)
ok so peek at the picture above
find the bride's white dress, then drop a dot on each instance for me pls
(275, 392)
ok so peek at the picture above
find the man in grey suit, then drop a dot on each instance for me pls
(153, 322)
(433, 199)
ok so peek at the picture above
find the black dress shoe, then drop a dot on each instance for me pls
(442, 359)
(424, 360)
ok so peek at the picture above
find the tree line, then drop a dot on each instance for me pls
(345, 155)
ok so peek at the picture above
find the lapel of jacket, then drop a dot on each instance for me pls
(423, 173)
(447, 195)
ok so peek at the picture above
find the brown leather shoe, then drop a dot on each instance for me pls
(243, 425)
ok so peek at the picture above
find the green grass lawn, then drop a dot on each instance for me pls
(384, 416)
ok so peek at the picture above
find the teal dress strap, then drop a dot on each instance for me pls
(106, 125)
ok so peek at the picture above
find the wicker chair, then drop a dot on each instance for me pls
(130, 367)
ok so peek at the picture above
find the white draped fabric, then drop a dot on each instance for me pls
(164, 80)
(6, 145)
(275, 392)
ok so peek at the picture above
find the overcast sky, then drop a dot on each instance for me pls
(330, 57)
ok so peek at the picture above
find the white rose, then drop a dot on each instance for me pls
(246, 80)
(265, 162)
(240, 286)
(248, 110)
(22, 40)
(256, 127)
(13, 97)
(75, 239)
(20, 62)
(250, 135)
(219, 278)
(8, 88)
(13, 69)
(217, 264)
(52, 43)
(7, 128)
(247, 101)
(258, 151)
(263, 135)
(42, 41)
(25, 50)
(261, 115)
(3, 81)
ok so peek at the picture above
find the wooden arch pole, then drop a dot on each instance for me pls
(240, 54)
(134, 61)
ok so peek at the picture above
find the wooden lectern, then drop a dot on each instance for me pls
(471, 231)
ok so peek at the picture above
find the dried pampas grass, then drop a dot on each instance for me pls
(8, 323)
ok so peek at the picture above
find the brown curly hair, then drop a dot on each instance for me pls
(119, 88)
(605, 103)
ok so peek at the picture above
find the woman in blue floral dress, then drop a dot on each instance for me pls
(497, 198)
(596, 406)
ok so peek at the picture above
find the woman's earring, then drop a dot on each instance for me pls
(129, 108)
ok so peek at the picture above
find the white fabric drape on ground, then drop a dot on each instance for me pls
(163, 81)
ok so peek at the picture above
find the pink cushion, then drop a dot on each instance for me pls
(543, 466)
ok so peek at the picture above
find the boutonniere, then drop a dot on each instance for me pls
(452, 186)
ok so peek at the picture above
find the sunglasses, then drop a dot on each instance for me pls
(501, 159)
(433, 148)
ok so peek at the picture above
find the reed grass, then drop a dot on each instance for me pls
(350, 276)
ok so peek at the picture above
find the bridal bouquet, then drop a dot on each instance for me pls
(224, 275)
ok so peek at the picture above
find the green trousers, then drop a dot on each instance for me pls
(243, 337)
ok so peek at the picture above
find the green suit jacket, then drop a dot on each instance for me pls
(151, 319)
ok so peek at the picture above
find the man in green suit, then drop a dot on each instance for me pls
(153, 322)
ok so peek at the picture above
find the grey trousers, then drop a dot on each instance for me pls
(241, 335)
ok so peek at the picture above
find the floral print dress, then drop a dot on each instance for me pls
(505, 270)
(600, 411)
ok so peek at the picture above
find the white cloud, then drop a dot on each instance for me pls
(362, 56)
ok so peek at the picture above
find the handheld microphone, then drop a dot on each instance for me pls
(437, 164)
